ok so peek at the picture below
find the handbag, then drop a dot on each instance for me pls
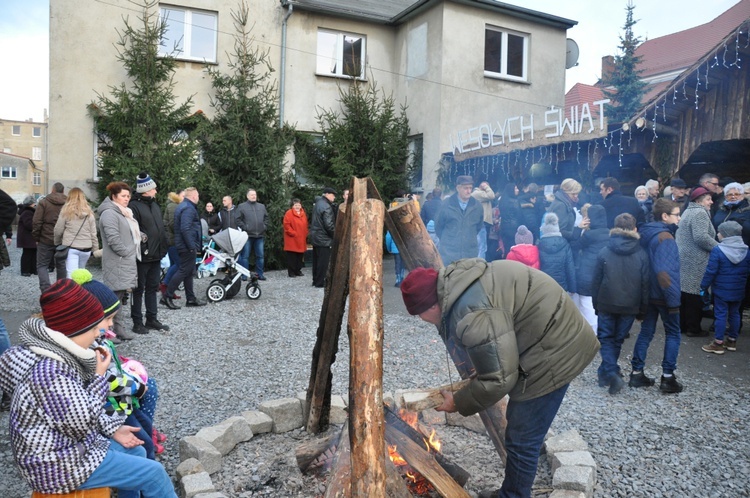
(61, 250)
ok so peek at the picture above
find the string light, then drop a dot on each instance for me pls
(724, 56)
(654, 127)
(707, 68)
(663, 110)
(578, 151)
(619, 154)
(736, 50)
(674, 95)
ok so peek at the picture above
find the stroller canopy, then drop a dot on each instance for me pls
(230, 240)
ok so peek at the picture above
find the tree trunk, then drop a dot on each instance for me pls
(366, 344)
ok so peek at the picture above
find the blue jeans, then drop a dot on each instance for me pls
(4, 337)
(724, 311)
(528, 423)
(132, 474)
(174, 264)
(482, 241)
(256, 245)
(671, 323)
(611, 331)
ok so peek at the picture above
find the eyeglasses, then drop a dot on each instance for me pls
(675, 214)
(733, 194)
(715, 184)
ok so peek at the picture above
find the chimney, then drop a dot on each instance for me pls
(608, 67)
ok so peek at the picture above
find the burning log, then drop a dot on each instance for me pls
(456, 472)
(313, 456)
(429, 398)
(366, 343)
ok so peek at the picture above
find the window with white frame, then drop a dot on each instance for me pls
(36, 153)
(37, 179)
(8, 172)
(341, 54)
(7, 150)
(36, 132)
(506, 54)
(16, 130)
(191, 34)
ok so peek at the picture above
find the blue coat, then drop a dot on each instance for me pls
(728, 266)
(658, 240)
(592, 241)
(458, 229)
(187, 227)
(556, 260)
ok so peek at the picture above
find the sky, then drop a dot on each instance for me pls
(24, 40)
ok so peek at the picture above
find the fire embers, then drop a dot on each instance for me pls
(418, 485)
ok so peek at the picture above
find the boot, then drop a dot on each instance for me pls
(155, 324)
(169, 303)
(670, 385)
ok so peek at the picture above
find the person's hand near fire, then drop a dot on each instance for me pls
(448, 404)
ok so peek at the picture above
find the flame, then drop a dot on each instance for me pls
(433, 442)
(409, 417)
(395, 457)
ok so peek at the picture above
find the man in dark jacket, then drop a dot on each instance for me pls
(521, 334)
(228, 214)
(460, 219)
(252, 217)
(187, 240)
(615, 203)
(322, 225)
(7, 214)
(153, 247)
(431, 207)
(657, 238)
(45, 217)
(620, 292)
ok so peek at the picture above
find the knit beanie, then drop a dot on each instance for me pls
(730, 229)
(70, 309)
(524, 236)
(419, 290)
(144, 183)
(550, 225)
(101, 292)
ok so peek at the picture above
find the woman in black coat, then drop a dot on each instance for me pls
(24, 240)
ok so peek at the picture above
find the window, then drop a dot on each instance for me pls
(37, 180)
(8, 172)
(190, 34)
(416, 154)
(36, 132)
(16, 130)
(6, 150)
(340, 54)
(505, 54)
(36, 153)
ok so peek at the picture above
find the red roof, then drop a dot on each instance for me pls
(580, 94)
(682, 49)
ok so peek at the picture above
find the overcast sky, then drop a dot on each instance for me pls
(24, 40)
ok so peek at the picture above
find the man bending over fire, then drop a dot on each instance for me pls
(523, 336)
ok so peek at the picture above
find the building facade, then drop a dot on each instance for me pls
(24, 157)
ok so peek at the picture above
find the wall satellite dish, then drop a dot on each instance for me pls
(571, 53)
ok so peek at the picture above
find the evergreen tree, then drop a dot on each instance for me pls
(625, 78)
(368, 138)
(141, 127)
(242, 146)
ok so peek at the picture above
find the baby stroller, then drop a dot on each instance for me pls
(230, 242)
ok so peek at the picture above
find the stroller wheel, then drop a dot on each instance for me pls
(215, 291)
(253, 291)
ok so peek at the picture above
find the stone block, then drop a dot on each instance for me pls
(259, 422)
(388, 399)
(574, 478)
(567, 458)
(432, 417)
(228, 434)
(338, 410)
(201, 450)
(302, 397)
(286, 414)
(214, 494)
(188, 467)
(567, 441)
(195, 484)
(472, 422)
(565, 493)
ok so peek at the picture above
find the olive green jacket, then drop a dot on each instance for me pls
(517, 326)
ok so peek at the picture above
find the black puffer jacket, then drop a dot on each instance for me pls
(148, 215)
(739, 212)
(322, 223)
(621, 275)
(556, 260)
(592, 241)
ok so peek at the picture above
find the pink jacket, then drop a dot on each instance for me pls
(527, 254)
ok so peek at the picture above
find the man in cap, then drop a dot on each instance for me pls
(679, 192)
(154, 247)
(460, 219)
(522, 335)
(322, 224)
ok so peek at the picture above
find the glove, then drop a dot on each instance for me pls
(97, 253)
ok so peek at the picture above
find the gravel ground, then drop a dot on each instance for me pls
(225, 358)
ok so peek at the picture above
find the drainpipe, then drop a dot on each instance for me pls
(282, 76)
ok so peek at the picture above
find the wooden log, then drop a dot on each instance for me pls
(340, 478)
(308, 453)
(424, 463)
(429, 398)
(411, 237)
(329, 328)
(366, 348)
(456, 472)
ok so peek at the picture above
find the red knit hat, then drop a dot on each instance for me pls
(419, 290)
(70, 309)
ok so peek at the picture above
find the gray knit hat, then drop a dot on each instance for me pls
(144, 183)
(550, 225)
(524, 236)
(730, 229)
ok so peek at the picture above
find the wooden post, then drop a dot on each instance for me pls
(366, 425)
(329, 328)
